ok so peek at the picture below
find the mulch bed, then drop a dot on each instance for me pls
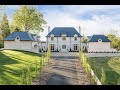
(46, 73)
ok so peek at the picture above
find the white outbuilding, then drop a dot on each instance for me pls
(22, 41)
(99, 43)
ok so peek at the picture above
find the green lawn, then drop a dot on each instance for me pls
(111, 66)
(11, 64)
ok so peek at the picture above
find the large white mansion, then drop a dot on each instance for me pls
(64, 39)
(60, 39)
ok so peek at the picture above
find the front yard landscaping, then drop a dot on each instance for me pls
(13, 62)
(111, 66)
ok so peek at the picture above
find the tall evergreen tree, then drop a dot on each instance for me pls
(5, 30)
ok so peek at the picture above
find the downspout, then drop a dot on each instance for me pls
(57, 43)
(70, 44)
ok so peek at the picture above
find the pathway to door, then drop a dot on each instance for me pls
(65, 70)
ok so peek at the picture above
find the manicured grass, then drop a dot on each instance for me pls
(111, 66)
(12, 63)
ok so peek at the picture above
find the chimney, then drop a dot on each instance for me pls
(48, 29)
(79, 30)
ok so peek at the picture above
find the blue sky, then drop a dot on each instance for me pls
(93, 19)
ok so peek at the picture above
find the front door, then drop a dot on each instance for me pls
(64, 48)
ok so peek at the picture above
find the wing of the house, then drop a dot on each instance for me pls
(21, 41)
(99, 43)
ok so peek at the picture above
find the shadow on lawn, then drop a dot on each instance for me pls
(28, 52)
(10, 75)
(6, 60)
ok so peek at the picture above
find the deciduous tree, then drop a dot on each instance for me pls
(28, 18)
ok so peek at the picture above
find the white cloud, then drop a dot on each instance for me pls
(99, 24)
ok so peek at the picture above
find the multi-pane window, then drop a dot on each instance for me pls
(75, 47)
(52, 47)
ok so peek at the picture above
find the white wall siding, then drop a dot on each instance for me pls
(69, 42)
(17, 45)
(21, 45)
(100, 47)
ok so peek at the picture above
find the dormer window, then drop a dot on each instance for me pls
(17, 38)
(64, 37)
(99, 40)
(75, 37)
(52, 37)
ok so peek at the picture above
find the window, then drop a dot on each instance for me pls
(52, 38)
(63, 37)
(52, 47)
(75, 47)
(99, 40)
(75, 38)
(17, 38)
(63, 46)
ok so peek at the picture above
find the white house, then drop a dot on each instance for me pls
(22, 41)
(99, 43)
(64, 39)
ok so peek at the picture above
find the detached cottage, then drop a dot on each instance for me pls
(22, 41)
(99, 43)
(64, 39)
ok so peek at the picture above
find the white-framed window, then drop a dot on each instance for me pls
(17, 38)
(64, 37)
(52, 47)
(52, 37)
(63, 46)
(75, 47)
(99, 40)
(75, 37)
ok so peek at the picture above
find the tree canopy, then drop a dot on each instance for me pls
(115, 41)
(84, 39)
(5, 30)
(28, 18)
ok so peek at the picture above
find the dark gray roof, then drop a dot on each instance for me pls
(95, 38)
(58, 31)
(24, 36)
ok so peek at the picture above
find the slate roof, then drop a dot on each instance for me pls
(95, 38)
(24, 36)
(69, 31)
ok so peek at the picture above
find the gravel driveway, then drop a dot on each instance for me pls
(66, 70)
